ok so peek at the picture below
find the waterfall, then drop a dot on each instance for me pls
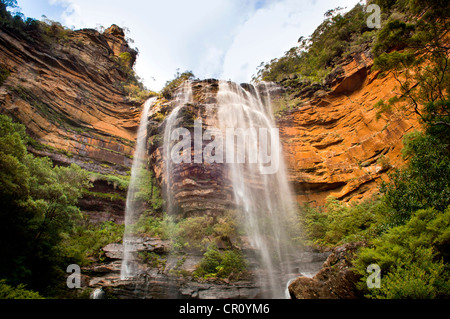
(265, 200)
(182, 96)
(255, 171)
(253, 175)
(129, 267)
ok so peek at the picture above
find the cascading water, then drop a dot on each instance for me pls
(129, 267)
(265, 200)
(182, 96)
(258, 182)
(255, 170)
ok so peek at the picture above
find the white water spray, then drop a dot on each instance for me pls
(182, 97)
(129, 267)
(266, 201)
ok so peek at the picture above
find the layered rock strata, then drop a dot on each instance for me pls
(68, 94)
(335, 141)
(196, 188)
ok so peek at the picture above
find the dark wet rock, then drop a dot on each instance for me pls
(335, 280)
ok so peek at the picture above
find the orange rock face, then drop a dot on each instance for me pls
(68, 95)
(335, 145)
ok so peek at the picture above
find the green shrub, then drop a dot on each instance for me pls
(195, 232)
(84, 243)
(221, 264)
(338, 223)
(147, 190)
(413, 258)
(394, 35)
(171, 86)
(198, 232)
(137, 93)
(153, 260)
(233, 262)
(126, 60)
(52, 31)
(423, 183)
(117, 181)
(109, 196)
(149, 225)
(19, 292)
(314, 58)
(212, 259)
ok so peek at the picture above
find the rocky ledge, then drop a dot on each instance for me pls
(335, 280)
(162, 276)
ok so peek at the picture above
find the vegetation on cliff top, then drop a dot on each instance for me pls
(340, 35)
(50, 32)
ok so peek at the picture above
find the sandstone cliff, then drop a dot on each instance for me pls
(334, 142)
(334, 139)
(68, 92)
(196, 188)
(69, 95)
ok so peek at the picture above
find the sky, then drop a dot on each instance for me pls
(222, 39)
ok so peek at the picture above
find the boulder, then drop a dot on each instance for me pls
(335, 280)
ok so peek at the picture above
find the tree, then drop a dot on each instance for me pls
(9, 3)
(422, 66)
(423, 183)
(38, 205)
(171, 86)
(413, 258)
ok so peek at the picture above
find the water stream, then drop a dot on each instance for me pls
(263, 196)
(129, 267)
(182, 96)
(255, 168)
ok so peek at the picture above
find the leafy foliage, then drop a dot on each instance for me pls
(414, 49)
(338, 35)
(19, 292)
(153, 226)
(84, 243)
(171, 86)
(132, 86)
(46, 31)
(423, 183)
(413, 256)
(219, 264)
(39, 204)
(117, 181)
(338, 223)
(148, 190)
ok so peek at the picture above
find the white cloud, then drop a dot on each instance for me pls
(170, 34)
(272, 31)
(212, 38)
